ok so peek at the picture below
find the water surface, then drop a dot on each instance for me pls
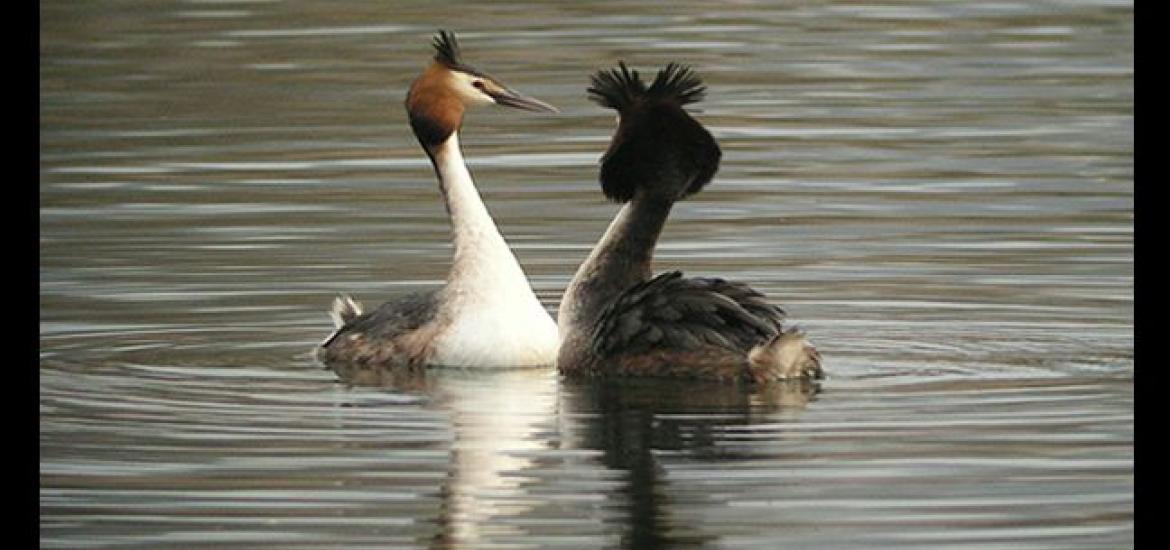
(940, 194)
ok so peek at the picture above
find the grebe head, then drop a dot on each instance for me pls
(449, 86)
(658, 150)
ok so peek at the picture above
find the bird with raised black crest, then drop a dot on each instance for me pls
(618, 320)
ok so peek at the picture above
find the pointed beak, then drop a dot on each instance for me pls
(511, 98)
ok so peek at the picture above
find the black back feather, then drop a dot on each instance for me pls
(685, 314)
(658, 148)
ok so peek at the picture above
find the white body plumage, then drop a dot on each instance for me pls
(491, 316)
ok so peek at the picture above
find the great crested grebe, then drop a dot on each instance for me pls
(617, 320)
(486, 315)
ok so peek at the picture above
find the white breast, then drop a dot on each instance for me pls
(517, 333)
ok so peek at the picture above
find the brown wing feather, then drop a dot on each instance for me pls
(398, 332)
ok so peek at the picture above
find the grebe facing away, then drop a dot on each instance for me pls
(487, 314)
(614, 319)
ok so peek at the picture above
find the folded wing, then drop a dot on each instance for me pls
(687, 315)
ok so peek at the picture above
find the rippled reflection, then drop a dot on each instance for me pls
(941, 194)
(634, 422)
(507, 426)
(498, 419)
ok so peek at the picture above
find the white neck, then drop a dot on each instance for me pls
(493, 317)
(483, 262)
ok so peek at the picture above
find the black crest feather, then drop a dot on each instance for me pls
(447, 49)
(658, 149)
(622, 88)
(448, 53)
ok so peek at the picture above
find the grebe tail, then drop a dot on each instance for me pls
(616, 319)
(486, 315)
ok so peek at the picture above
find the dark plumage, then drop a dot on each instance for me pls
(386, 335)
(618, 321)
(448, 53)
(670, 310)
(658, 148)
(622, 89)
(406, 312)
(701, 327)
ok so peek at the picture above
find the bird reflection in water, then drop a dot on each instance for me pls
(632, 421)
(500, 418)
(511, 425)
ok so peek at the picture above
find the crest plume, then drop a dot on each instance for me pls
(622, 88)
(658, 149)
(447, 49)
